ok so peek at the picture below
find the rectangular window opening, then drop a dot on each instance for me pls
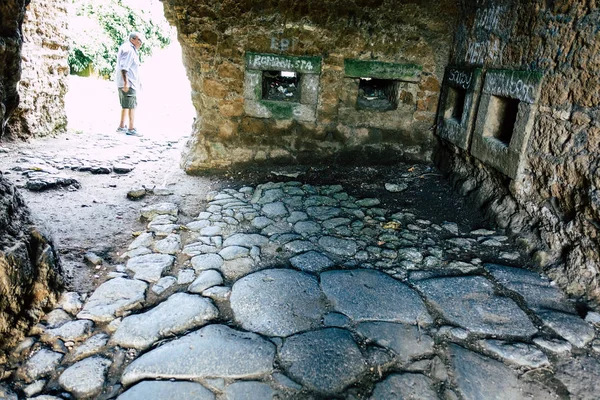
(455, 104)
(377, 94)
(281, 86)
(501, 118)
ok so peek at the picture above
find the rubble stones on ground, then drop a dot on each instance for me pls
(112, 299)
(85, 378)
(150, 267)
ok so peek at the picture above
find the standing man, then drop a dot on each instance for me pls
(128, 81)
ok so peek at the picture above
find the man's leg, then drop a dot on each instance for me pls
(124, 113)
(131, 119)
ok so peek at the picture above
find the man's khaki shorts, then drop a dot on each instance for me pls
(129, 99)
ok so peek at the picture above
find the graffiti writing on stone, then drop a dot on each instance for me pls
(479, 52)
(514, 84)
(487, 18)
(283, 63)
(460, 78)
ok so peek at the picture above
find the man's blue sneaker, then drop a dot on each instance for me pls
(133, 132)
(122, 129)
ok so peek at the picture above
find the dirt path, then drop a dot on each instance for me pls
(98, 216)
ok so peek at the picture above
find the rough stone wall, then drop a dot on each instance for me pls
(216, 37)
(30, 273)
(45, 70)
(555, 202)
(11, 40)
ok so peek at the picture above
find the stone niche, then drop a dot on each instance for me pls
(458, 105)
(281, 87)
(379, 94)
(505, 119)
(310, 82)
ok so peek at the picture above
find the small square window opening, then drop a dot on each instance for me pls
(377, 94)
(281, 86)
(455, 104)
(501, 118)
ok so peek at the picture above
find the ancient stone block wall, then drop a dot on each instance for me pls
(552, 198)
(11, 40)
(228, 46)
(45, 70)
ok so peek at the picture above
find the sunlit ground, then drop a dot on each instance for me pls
(164, 111)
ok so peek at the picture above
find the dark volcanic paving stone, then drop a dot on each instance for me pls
(367, 295)
(326, 361)
(470, 302)
(278, 302)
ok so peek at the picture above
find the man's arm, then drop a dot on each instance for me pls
(125, 81)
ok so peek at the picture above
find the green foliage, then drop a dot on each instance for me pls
(100, 27)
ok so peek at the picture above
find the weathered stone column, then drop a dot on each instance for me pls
(45, 71)
(11, 40)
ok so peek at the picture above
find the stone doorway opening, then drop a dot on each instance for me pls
(165, 110)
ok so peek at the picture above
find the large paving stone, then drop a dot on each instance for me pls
(246, 240)
(520, 354)
(85, 378)
(311, 261)
(278, 302)
(368, 295)
(326, 361)
(249, 391)
(337, 246)
(406, 341)
(405, 386)
(546, 301)
(479, 377)
(112, 299)
(166, 390)
(470, 302)
(580, 376)
(150, 267)
(215, 351)
(177, 314)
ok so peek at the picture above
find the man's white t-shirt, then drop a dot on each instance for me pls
(128, 59)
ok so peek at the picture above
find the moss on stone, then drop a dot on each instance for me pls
(279, 110)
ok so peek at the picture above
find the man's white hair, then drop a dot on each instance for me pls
(136, 35)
